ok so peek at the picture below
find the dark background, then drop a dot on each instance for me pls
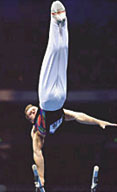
(73, 151)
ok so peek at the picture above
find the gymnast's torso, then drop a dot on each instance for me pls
(48, 121)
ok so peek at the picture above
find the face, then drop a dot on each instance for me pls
(31, 113)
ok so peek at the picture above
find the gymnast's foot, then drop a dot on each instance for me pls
(58, 12)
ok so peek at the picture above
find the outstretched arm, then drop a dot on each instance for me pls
(85, 119)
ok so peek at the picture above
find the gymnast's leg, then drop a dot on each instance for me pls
(53, 79)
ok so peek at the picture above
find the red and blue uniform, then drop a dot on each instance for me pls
(48, 121)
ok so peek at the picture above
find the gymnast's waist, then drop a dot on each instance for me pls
(48, 121)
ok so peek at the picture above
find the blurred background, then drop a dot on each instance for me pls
(92, 88)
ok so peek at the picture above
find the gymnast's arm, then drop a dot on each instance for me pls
(37, 144)
(85, 119)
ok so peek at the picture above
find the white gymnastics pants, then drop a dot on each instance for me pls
(53, 76)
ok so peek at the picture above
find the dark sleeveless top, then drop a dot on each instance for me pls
(48, 121)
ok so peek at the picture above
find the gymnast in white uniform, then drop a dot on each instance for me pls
(52, 90)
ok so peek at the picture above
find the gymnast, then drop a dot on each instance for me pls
(50, 114)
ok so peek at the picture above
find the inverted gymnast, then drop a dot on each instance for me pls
(50, 114)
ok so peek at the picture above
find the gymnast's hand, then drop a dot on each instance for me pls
(104, 124)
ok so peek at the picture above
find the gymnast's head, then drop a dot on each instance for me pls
(30, 112)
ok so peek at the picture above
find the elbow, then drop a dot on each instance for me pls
(79, 117)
